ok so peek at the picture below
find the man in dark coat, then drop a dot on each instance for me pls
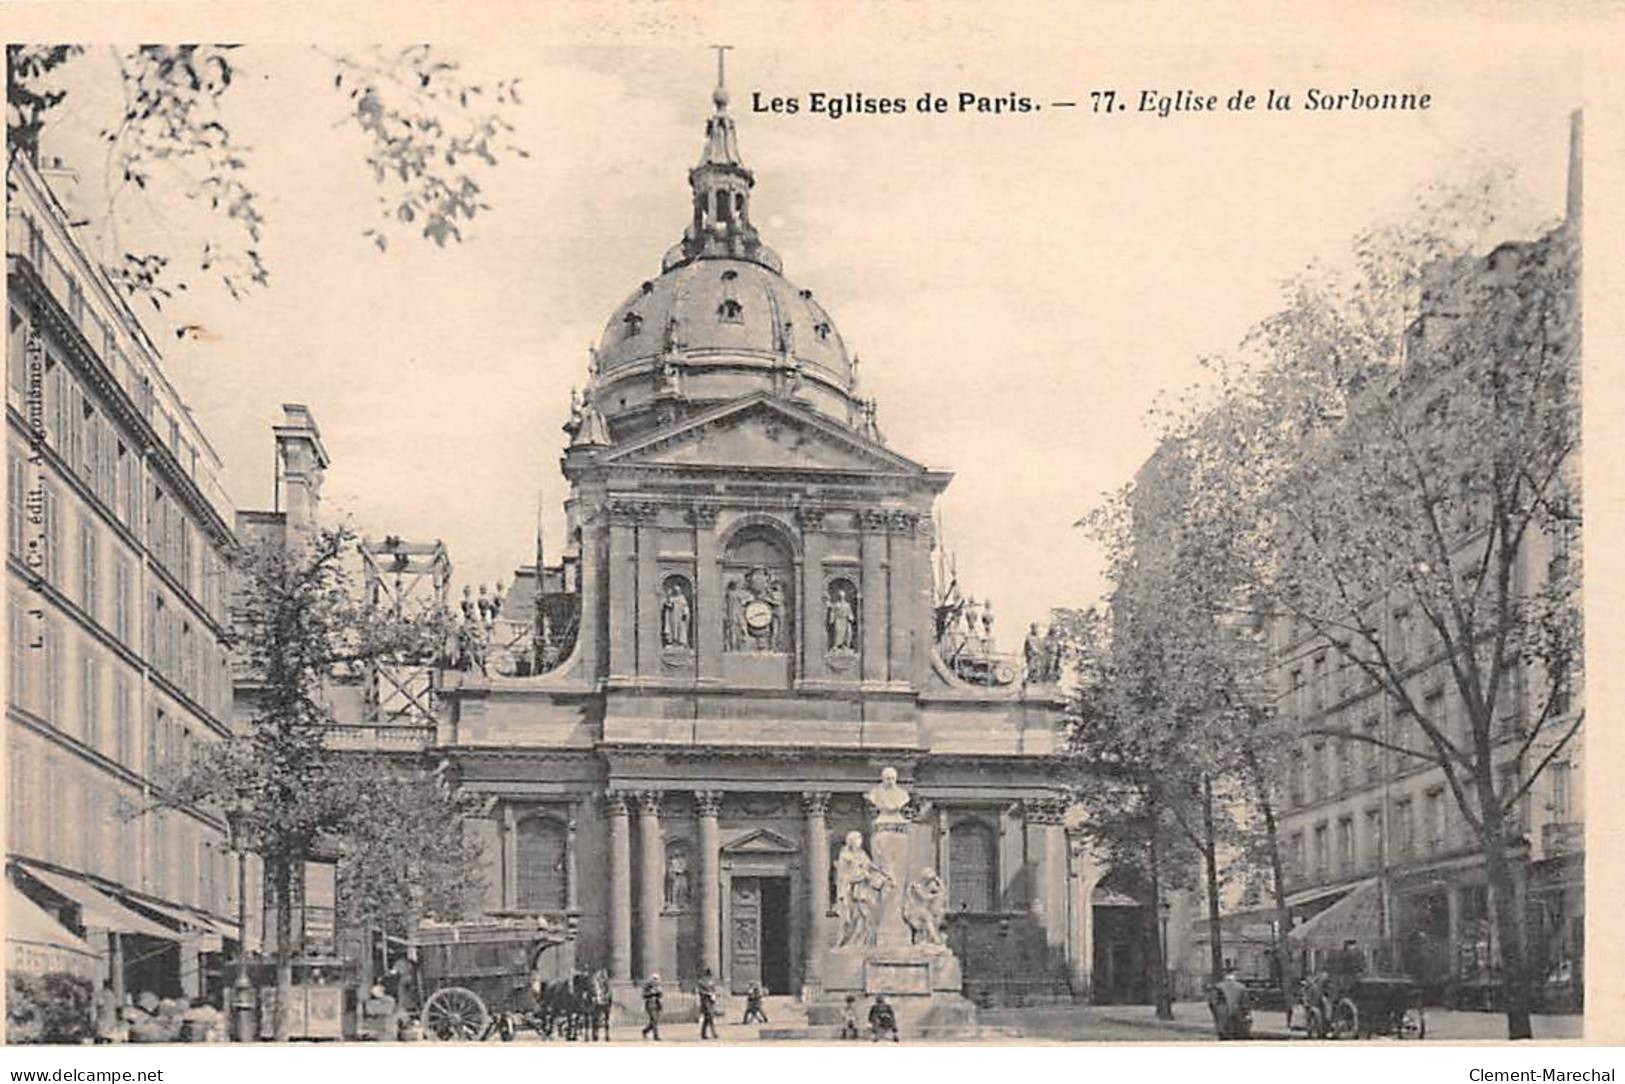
(707, 988)
(651, 1006)
(1232, 1013)
(882, 1020)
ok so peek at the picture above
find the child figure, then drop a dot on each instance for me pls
(753, 1004)
(849, 1023)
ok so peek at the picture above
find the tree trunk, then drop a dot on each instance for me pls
(282, 871)
(1210, 858)
(1283, 914)
(1509, 924)
(1164, 997)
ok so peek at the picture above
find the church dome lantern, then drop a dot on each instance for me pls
(721, 321)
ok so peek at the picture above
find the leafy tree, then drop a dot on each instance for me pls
(428, 130)
(406, 857)
(298, 625)
(1405, 446)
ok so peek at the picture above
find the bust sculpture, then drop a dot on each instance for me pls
(888, 799)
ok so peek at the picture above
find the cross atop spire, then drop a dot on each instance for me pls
(720, 95)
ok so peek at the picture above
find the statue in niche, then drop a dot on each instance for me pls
(677, 886)
(1035, 651)
(858, 885)
(675, 616)
(924, 904)
(840, 618)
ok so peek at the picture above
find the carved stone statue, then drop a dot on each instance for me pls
(1033, 649)
(840, 621)
(889, 799)
(924, 904)
(677, 889)
(858, 885)
(470, 612)
(733, 618)
(674, 618)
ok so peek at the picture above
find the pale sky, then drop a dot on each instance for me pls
(1019, 288)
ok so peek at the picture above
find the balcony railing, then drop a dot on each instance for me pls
(380, 737)
(1563, 837)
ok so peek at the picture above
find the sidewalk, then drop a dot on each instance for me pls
(1443, 1025)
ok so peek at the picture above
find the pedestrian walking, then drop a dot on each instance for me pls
(849, 1022)
(1229, 1002)
(708, 1005)
(882, 1020)
(651, 1006)
(753, 1004)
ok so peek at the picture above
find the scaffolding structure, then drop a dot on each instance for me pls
(404, 579)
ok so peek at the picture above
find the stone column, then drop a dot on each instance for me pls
(620, 888)
(872, 626)
(1047, 899)
(901, 611)
(708, 804)
(649, 594)
(944, 851)
(510, 857)
(1081, 951)
(652, 853)
(708, 615)
(815, 803)
(623, 599)
(572, 895)
(591, 594)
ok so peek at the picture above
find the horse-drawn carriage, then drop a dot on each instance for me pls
(485, 978)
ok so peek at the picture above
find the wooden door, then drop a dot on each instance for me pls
(745, 934)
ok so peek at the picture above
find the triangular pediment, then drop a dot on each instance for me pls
(762, 432)
(761, 841)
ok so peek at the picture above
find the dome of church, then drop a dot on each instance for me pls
(720, 321)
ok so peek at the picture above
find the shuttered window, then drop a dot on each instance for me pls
(972, 867)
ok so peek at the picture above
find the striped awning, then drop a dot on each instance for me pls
(37, 944)
(98, 908)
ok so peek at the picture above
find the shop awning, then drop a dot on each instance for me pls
(1310, 895)
(1356, 917)
(187, 919)
(99, 909)
(38, 944)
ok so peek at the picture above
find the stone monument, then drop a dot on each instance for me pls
(889, 939)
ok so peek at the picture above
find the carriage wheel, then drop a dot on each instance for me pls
(1413, 1024)
(1345, 1020)
(1004, 674)
(454, 1014)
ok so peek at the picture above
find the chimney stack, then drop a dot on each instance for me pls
(301, 462)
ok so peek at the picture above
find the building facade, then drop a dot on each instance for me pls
(1378, 834)
(740, 630)
(117, 553)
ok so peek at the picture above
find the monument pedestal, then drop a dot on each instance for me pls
(922, 983)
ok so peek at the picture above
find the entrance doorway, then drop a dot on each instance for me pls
(760, 934)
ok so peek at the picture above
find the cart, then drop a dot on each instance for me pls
(1355, 1006)
(477, 977)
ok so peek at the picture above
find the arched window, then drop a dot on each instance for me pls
(730, 311)
(540, 864)
(633, 322)
(973, 867)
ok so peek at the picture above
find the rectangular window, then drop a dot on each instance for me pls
(121, 598)
(1294, 779)
(1433, 708)
(1345, 844)
(18, 651)
(123, 741)
(16, 506)
(1434, 811)
(1345, 764)
(1404, 828)
(51, 513)
(1317, 684)
(156, 724)
(89, 569)
(1372, 751)
(1373, 838)
(1322, 853)
(1317, 772)
(89, 696)
(51, 658)
(1560, 791)
(1295, 856)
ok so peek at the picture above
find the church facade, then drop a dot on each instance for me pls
(741, 631)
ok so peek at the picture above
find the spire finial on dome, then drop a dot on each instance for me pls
(720, 95)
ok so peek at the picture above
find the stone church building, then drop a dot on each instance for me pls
(740, 630)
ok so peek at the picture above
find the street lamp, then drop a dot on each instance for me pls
(242, 990)
(1167, 986)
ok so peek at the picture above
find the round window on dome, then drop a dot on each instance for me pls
(729, 276)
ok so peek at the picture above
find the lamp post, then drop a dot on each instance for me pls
(242, 990)
(1167, 985)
